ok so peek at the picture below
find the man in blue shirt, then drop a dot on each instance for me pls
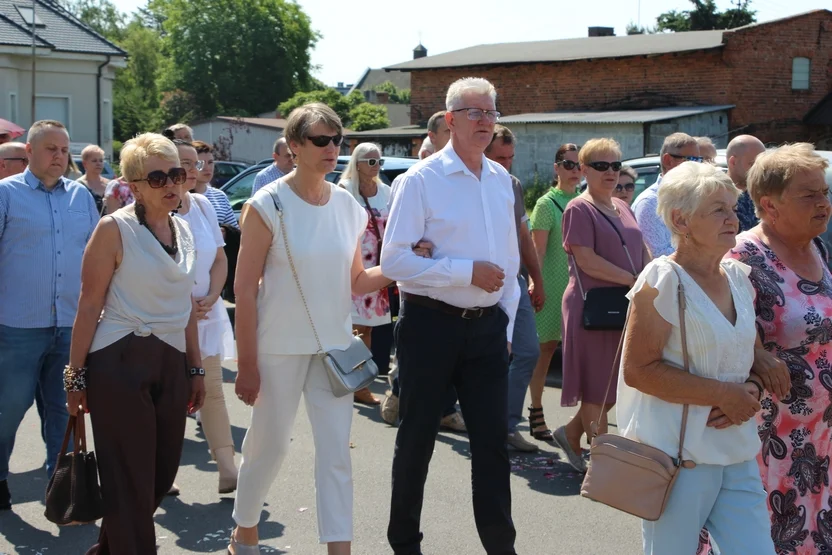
(45, 223)
(740, 155)
(284, 163)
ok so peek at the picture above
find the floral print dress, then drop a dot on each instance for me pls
(794, 319)
(372, 309)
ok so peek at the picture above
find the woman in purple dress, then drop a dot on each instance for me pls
(592, 223)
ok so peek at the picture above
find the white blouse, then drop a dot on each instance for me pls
(216, 337)
(717, 350)
(322, 240)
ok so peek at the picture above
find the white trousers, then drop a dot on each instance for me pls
(282, 380)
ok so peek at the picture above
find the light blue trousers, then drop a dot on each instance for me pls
(728, 500)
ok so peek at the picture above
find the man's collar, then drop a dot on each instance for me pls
(33, 182)
(452, 163)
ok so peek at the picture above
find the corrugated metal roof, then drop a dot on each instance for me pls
(568, 49)
(60, 29)
(616, 116)
(404, 131)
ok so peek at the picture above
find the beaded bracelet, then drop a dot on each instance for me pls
(75, 379)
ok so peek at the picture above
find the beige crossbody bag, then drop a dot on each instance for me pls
(628, 475)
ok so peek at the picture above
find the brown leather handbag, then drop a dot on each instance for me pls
(73, 495)
(628, 475)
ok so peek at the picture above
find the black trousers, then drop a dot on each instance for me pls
(437, 351)
(137, 393)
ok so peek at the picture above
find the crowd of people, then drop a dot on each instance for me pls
(116, 307)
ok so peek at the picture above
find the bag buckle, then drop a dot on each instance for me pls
(475, 313)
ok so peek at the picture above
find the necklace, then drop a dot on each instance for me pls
(172, 249)
(319, 202)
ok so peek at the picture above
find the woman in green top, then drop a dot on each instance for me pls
(548, 242)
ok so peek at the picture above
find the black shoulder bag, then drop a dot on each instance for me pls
(605, 308)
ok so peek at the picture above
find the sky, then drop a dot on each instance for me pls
(356, 36)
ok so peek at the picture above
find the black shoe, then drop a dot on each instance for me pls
(5, 496)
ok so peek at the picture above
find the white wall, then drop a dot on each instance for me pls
(59, 81)
(538, 142)
(248, 143)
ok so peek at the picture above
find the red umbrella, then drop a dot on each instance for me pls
(13, 130)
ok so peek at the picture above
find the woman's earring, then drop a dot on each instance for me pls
(687, 236)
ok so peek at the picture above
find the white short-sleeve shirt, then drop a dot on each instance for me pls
(322, 240)
(716, 349)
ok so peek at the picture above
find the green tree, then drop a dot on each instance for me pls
(332, 98)
(102, 16)
(235, 56)
(368, 116)
(395, 94)
(705, 16)
(634, 29)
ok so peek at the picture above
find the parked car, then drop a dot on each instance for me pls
(238, 188)
(108, 172)
(649, 168)
(224, 171)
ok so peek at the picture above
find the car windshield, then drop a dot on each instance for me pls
(240, 191)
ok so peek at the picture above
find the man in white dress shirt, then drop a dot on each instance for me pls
(284, 163)
(457, 315)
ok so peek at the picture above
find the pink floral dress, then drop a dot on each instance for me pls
(373, 309)
(794, 321)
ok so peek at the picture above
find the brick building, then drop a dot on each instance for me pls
(775, 76)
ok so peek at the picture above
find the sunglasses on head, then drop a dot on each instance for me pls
(688, 158)
(158, 179)
(604, 166)
(372, 161)
(568, 164)
(321, 141)
(629, 187)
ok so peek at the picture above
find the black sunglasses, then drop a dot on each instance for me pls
(18, 159)
(629, 187)
(159, 179)
(321, 141)
(568, 164)
(604, 166)
(688, 158)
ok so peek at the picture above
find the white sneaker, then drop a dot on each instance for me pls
(517, 441)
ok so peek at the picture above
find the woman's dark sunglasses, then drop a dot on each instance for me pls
(159, 179)
(629, 187)
(568, 164)
(322, 140)
(372, 161)
(604, 166)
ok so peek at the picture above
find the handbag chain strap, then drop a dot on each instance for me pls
(680, 293)
(278, 207)
(623, 244)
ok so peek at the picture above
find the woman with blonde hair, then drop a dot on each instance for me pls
(605, 249)
(134, 360)
(793, 306)
(361, 179)
(92, 157)
(303, 226)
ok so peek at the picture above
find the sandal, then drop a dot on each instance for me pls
(537, 421)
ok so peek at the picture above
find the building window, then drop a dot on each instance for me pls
(54, 107)
(800, 74)
(13, 107)
(26, 14)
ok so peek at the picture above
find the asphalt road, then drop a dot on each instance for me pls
(549, 514)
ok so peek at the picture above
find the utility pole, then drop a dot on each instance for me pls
(34, 61)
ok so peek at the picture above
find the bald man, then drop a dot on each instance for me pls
(13, 159)
(741, 153)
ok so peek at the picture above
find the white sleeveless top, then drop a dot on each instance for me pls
(716, 349)
(323, 240)
(150, 292)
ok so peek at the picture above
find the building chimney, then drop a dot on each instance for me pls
(419, 52)
(602, 31)
(340, 84)
(382, 97)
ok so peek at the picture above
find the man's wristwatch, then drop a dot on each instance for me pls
(196, 372)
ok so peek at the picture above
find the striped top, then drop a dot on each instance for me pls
(265, 176)
(43, 234)
(219, 200)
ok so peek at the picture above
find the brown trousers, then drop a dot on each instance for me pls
(137, 394)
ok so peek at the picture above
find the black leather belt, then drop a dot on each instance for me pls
(466, 313)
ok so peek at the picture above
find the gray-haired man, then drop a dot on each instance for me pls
(284, 163)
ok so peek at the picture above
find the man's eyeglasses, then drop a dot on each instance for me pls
(604, 166)
(475, 114)
(199, 165)
(159, 179)
(568, 164)
(15, 159)
(688, 158)
(372, 161)
(629, 187)
(321, 141)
